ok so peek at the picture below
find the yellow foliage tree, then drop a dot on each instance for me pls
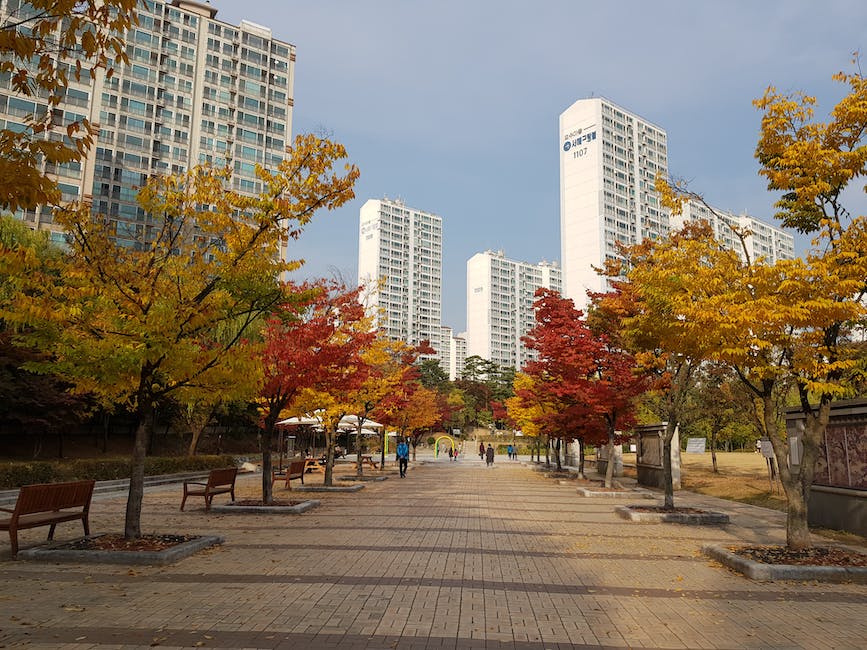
(387, 363)
(787, 324)
(44, 45)
(172, 315)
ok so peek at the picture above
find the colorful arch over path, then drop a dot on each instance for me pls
(437, 444)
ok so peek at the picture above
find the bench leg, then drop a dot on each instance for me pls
(51, 531)
(184, 500)
(13, 540)
(86, 523)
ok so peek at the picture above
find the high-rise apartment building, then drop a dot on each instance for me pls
(400, 260)
(500, 295)
(195, 90)
(765, 241)
(609, 159)
(454, 353)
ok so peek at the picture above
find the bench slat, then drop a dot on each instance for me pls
(47, 504)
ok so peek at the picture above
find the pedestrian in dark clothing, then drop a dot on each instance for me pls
(489, 455)
(481, 451)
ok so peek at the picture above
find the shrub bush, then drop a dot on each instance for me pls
(14, 474)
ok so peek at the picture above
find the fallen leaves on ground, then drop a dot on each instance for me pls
(816, 556)
(117, 542)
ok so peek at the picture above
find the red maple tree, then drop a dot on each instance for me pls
(589, 376)
(311, 343)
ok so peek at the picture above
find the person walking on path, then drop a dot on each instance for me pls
(489, 455)
(402, 457)
(509, 451)
(451, 453)
(481, 451)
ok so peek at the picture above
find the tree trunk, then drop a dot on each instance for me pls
(194, 441)
(557, 447)
(609, 467)
(144, 412)
(580, 458)
(796, 480)
(359, 469)
(267, 465)
(548, 452)
(330, 437)
(713, 449)
(37, 445)
(382, 450)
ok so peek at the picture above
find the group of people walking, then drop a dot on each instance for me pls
(487, 454)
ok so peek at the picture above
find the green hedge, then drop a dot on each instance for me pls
(14, 474)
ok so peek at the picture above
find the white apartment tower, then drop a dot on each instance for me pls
(454, 352)
(609, 159)
(195, 90)
(765, 241)
(500, 295)
(400, 258)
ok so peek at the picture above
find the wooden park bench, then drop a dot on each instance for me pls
(48, 504)
(294, 470)
(220, 481)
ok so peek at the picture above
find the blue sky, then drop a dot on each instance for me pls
(452, 105)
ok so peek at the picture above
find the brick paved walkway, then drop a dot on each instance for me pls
(454, 556)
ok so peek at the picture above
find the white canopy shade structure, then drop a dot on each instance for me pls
(364, 431)
(299, 421)
(351, 422)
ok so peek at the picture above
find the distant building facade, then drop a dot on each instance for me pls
(609, 160)
(454, 352)
(766, 241)
(195, 90)
(400, 268)
(500, 295)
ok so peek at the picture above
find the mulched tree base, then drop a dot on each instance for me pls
(822, 564)
(658, 514)
(255, 506)
(117, 542)
(111, 548)
(596, 491)
(258, 502)
(818, 556)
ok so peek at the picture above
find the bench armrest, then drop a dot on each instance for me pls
(7, 510)
(194, 483)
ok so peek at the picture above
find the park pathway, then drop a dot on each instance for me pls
(454, 556)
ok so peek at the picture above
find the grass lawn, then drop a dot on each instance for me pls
(742, 476)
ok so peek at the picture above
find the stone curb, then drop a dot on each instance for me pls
(304, 506)
(330, 488)
(615, 494)
(50, 553)
(761, 571)
(364, 477)
(693, 519)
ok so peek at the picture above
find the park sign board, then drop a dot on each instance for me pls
(695, 445)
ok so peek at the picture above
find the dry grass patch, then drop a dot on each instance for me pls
(742, 477)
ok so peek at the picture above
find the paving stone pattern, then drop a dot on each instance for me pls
(456, 555)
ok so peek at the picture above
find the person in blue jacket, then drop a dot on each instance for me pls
(402, 457)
